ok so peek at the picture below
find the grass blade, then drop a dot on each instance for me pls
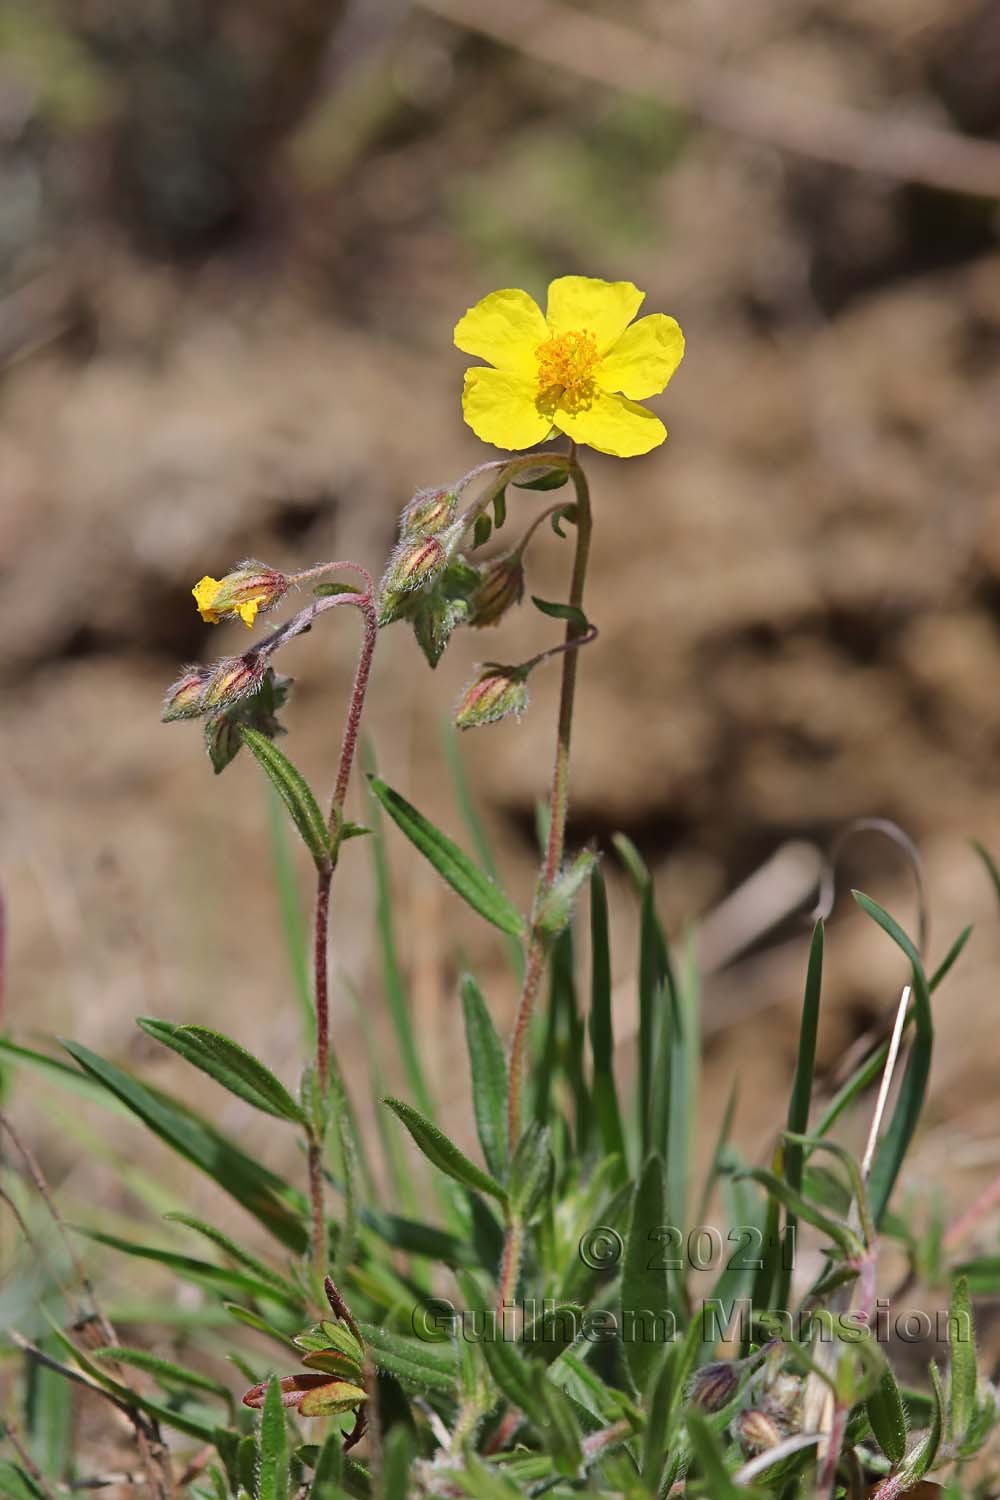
(801, 1096)
(602, 1042)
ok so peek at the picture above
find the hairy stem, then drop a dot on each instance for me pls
(558, 805)
(321, 921)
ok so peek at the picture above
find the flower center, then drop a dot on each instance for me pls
(565, 369)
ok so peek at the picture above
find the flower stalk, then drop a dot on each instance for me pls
(576, 631)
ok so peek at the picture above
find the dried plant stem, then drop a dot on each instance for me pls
(321, 920)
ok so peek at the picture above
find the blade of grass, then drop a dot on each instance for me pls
(801, 1098)
(293, 924)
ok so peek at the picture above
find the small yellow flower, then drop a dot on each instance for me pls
(250, 589)
(580, 369)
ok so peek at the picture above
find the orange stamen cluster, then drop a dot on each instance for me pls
(565, 368)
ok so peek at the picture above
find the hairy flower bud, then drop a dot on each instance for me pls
(414, 564)
(183, 698)
(501, 584)
(429, 512)
(755, 1431)
(249, 590)
(495, 694)
(713, 1386)
(233, 677)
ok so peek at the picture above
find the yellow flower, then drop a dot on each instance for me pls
(251, 588)
(580, 369)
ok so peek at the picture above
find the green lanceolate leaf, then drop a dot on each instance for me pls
(602, 1042)
(417, 1365)
(229, 1064)
(272, 1479)
(531, 1170)
(263, 1193)
(444, 1154)
(283, 1288)
(190, 1268)
(556, 611)
(962, 1379)
(803, 1208)
(488, 1067)
(464, 877)
(646, 1316)
(887, 1416)
(920, 1460)
(294, 791)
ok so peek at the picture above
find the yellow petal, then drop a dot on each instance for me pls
(247, 611)
(500, 408)
(585, 303)
(505, 328)
(643, 359)
(611, 424)
(204, 591)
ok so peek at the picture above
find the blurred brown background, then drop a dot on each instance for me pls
(234, 240)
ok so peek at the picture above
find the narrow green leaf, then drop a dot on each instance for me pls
(417, 1365)
(17, 1484)
(200, 1272)
(49, 1418)
(168, 1373)
(645, 1289)
(229, 1064)
(328, 590)
(272, 1478)
(921, 1459)
(397, 1464)
(499, 508)
(444, 1154)
(293, 924)
(481, 531)
(452, 865)
(797, 1204)
(294, 791)
(556, 611)
(801, 1097)
(602, 1043)
(488, 1068)
(963, 1379)
(887, 1416)
(263, 1193)
(899, 1133)
(283, 1288)
(473, 822)
(982, 1274)
(990, 864)
(946, 963)
(392, 977)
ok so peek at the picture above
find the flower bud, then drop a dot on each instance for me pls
(249, 590)
(183, 697)
(495, 694)
(755, 1431)
(501, 584)
(429, 512)
(412, 565)
(232, 678)
(713, 1386)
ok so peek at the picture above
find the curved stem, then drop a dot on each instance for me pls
(558, 804)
